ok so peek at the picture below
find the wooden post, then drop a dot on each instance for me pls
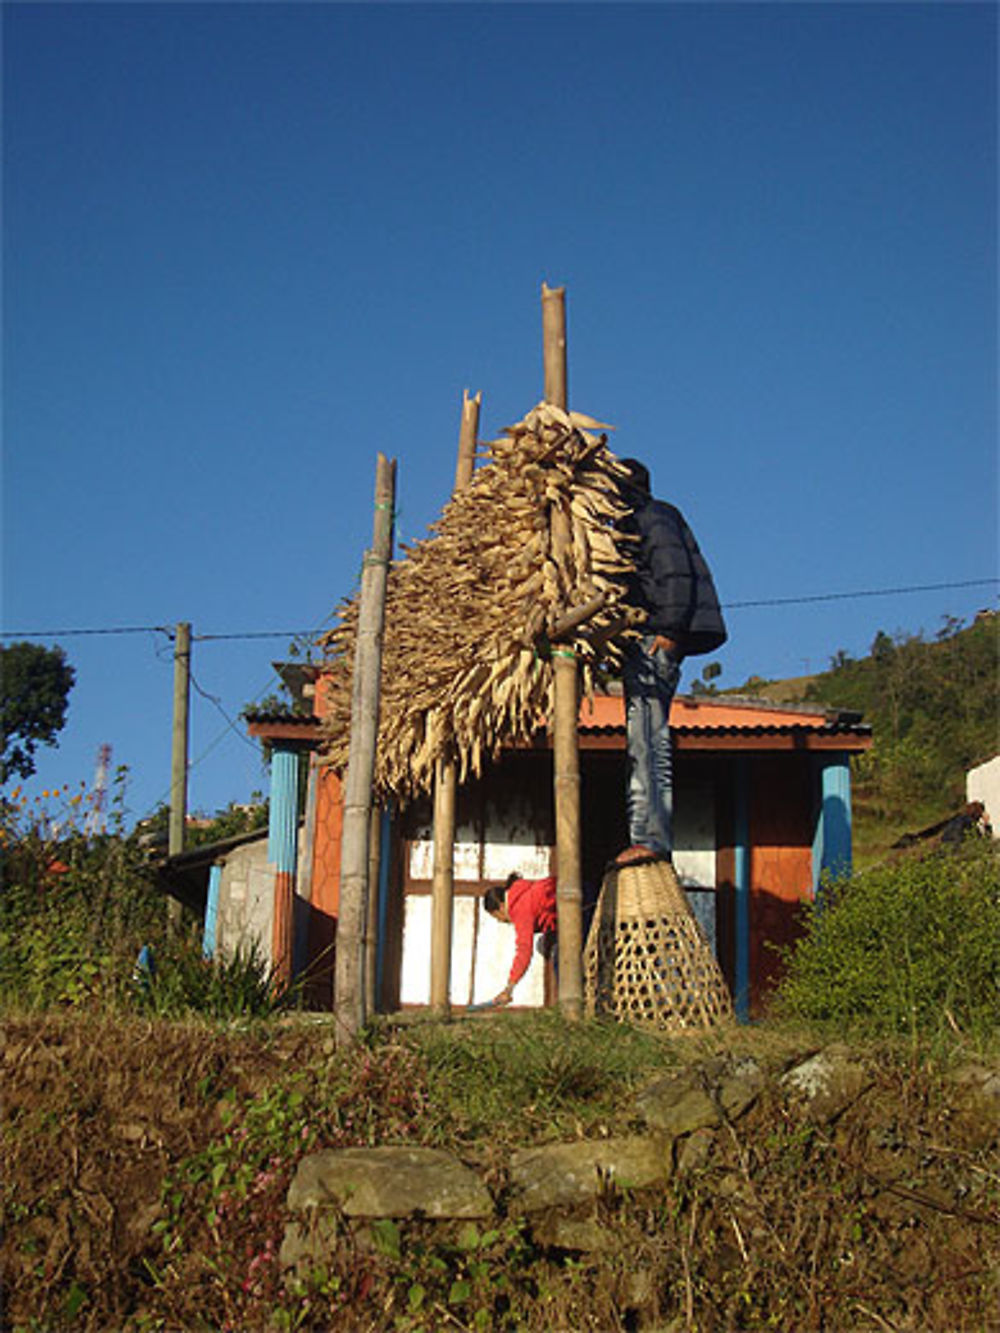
(445, 783)
(179, 755)
(349, 987)
(468, 431)
(554, 341)
(443, 886)
(566, 755)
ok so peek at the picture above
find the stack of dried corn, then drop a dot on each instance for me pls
(469, 607)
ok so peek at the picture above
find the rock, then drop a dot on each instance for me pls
(564, 1174)
(677, 1105)
(741, 1087)
(389, 1182)
(976, 1115)
(682, 1103)
(570, 1233)
(826, 1084)
(696, 1151)
(982, 1080)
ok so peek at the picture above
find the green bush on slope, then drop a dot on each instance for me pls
(911, 947)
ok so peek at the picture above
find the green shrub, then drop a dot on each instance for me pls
(911, 947)
(75, 910)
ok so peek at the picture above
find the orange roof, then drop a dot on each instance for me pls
(608, 710)
(732, 723)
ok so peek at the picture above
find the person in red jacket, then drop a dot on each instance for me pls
(529, 905)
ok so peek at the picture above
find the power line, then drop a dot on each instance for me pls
(869, 592)
(309, 633)
(68, 633)
(216, 702)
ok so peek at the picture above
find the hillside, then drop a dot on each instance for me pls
(932, 706)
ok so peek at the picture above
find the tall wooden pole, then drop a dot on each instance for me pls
(349, 991)
(467, 435)
(179, 753)
(443, 885)
(445, 783)
(565, 688)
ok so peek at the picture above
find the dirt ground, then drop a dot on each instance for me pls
(96, 1113)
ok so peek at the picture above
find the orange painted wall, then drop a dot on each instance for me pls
(325, 886)
(781, 835)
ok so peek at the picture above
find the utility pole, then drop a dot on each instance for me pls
(179, 752)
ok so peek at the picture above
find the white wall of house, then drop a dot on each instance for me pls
(983, 784)
(482, 949)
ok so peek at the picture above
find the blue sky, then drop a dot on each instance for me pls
(246, 246)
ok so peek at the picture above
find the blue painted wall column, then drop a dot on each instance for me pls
(212, 911)
(741, 876)
(282, 852)
(832, 841)
(385, 838)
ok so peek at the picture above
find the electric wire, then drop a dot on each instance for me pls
(312, 633)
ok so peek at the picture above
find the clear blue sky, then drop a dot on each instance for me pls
(246, 246)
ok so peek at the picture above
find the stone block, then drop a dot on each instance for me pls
(389, 1182)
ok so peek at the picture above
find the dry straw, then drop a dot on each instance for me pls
(647, 959)
(465, 668)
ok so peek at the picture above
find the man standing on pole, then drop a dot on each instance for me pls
(673, 585)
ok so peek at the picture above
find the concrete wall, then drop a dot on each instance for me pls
(246, 900)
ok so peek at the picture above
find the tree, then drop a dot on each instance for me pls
(34, 689)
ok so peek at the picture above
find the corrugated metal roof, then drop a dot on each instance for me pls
(271, 716)
(729, 729)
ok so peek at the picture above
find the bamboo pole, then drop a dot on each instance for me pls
(349, 991)
(566, 757)
(443, 885)
(467, 433)
(554, 340)
(445, 784)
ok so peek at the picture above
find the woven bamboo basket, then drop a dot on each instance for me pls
(647, 959)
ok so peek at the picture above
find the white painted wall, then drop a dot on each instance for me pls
(482, 949)
(983, 784)
(694, 853)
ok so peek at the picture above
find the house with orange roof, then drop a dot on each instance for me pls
(762, 814)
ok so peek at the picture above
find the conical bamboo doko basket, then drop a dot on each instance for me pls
(647, 959)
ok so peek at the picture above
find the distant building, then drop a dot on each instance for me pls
(982, 783)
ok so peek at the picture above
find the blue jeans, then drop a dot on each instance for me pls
(650, 681)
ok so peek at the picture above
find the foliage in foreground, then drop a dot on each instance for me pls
(75, 911)
(786, 1224)
(905, 948)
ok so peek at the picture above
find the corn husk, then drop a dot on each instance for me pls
(464, 669)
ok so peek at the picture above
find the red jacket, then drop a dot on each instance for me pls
(531, 906)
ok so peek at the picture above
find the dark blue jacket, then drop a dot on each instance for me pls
(672, 582)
